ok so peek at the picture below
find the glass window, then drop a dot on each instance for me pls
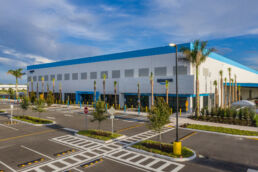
(129, 73)
(34, 78)
(160, 71)
(182, 70)
(115, 73)
(75, 76)
(29, 78)
(59, 77)
(67, 76)
(39, 78)
(143, 72)
(102, 74)
(93, 75)
(46, 77)
(84, 75)
(52, 77)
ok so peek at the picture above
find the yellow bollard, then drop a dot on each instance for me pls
(132, 106)
(119, 106)
(92, 103)
(177, 148)
(146, 109)
(171, 110)
(180, 111)
(87, 103)
(113, 105)
(107, 105)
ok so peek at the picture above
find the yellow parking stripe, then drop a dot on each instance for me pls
(26, 135)
(129, 128)
(187, 136)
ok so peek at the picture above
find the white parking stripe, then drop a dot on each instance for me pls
(36, 152)
(7, 166)
(8, 127)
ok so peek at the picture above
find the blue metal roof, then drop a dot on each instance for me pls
(135, 54)
(245, 84)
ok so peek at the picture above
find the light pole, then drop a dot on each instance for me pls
(176, 144)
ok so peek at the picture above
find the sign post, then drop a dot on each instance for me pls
(11, 113)
(111, 111)
(86, 110)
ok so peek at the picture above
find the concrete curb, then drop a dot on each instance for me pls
(100, 141)
(163, 156)
(225, 134)
(37, 125)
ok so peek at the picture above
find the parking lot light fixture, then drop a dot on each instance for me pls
(177, 143)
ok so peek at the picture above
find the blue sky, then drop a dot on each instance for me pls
(40, 31)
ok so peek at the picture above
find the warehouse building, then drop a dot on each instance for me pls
(74, 79)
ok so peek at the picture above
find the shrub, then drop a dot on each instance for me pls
(255, 120)
(33, 97)
(50, 98)
(246, 113)
(240, 114)
(24, 103)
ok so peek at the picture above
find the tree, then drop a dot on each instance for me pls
(216, 93)
(197, 55)
(17, 74)
(33, 97)
(221, 88)
(167, 86)
(60, 92)
(159, 116)
(37, 90)
(229, 79)
(152, 85)
(99, 113)
(42, 85)
(235, 89)
(11, 93)
(40, 105)
(50, 98)
(139, 95)
(95, 88)
(53, 84)
(24, 103)
(232, 90)
(31, 81)
(104, 86)
(239, 93)
(225, 92)
(115, 90)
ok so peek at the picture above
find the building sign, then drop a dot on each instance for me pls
(164, 80)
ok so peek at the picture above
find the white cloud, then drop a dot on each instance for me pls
(11, 62)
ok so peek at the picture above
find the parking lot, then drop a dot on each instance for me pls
(25, 147)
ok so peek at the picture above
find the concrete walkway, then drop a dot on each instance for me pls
(183, 120)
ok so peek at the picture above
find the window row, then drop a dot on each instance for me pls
(128, 73)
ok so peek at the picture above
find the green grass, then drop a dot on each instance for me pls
(166, 148)
(33, 120)
(2, 111)
(99, 134)
(222, 130)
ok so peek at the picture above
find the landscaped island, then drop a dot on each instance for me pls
(33, 120)
(221, 130)
(99, 134)
(165, 149)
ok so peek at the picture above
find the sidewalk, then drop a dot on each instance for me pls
(183, 120)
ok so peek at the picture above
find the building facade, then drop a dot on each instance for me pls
(74, 79)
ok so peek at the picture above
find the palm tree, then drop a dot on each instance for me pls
(115, 90)
(31, 81)
(216, 93)
(239, 93)
(17, 74)
(37, 89)
(152, 84)
(139, 95)
(47, 87)
(235, 88)
(197, 56)
(221, 87)
(225, 92)
(167, 85)
(42, 84)
(95, 91)
(104, 86)
(53, 82)
(232, 90)
(229, 79)
(60, 92)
